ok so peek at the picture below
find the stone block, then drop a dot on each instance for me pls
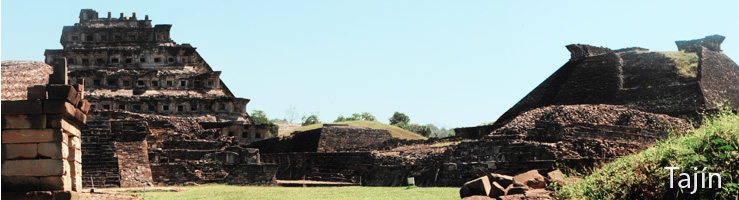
(53, 183)
(76, 175)
(532, 179)
(516, 190)
(538, 193)
(84, 106)
(496, 190)
(479, 186)
(75, 154)
(63, 92)
(74, 142)
(33, 136)
(38, 167)
(53, 150)
(21, 121)
(503, 180)
(22, 107)
(59, 107)
(80, 116)
(80, 87)
(555, 176)
(37, 92)
(20, 183)
(58, 121)
(19, 151)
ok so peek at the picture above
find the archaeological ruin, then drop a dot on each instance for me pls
(160, 115)
(41, 146)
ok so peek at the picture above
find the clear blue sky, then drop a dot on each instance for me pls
(451, 63)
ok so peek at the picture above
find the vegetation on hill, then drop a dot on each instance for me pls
(686, 63)
(366, 116)
(643, 175)
(395, 131)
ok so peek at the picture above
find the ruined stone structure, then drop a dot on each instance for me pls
(41, 147)
(128, 65)
(159, 115)
(656, 82)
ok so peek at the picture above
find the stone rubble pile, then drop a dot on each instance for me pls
(528, 185)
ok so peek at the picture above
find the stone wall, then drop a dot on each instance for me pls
(287, 127)
(347, 138)
(329, 138)
(131, 150)
(41, 148)
(638, 79)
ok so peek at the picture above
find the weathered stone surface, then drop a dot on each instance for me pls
(75, 175)
(496, 190)
(503, 180)
(532, 179)
(20, 121)
(20, 151)
(74, 142)
(38, 167)
(555, 176)
(59, 107)
(33, 136)
(22, 107)
(37, 92)
(329, 138)
(516, 190)
(84, 106)
(647, 81)
(53, 150)
(53, 183)
(63, 92)
(17, 76)
(538, 193)
(20, 183)
(479, 186)
(59, 122)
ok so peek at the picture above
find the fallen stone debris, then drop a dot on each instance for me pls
(528, 185)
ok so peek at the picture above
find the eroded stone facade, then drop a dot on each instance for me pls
(128, 65)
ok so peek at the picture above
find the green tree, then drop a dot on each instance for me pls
(399, 118)
(357, 116)
(312, 119)
(260, 118)
(369, 117)
(341, 118)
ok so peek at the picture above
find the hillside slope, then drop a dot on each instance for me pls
(643, 175)
(395, 131)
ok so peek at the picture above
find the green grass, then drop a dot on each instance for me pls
(642, 175)
(218, 191)
(395, 131)
(686, 63)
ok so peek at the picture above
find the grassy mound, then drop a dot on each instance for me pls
(642, 176)
(686, 63)
(395, 131)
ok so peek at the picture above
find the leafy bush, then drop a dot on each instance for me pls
(356, 116)
(312, 119)
(399, 118)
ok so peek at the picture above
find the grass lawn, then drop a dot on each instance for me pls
(395, 131)
(219, 191)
